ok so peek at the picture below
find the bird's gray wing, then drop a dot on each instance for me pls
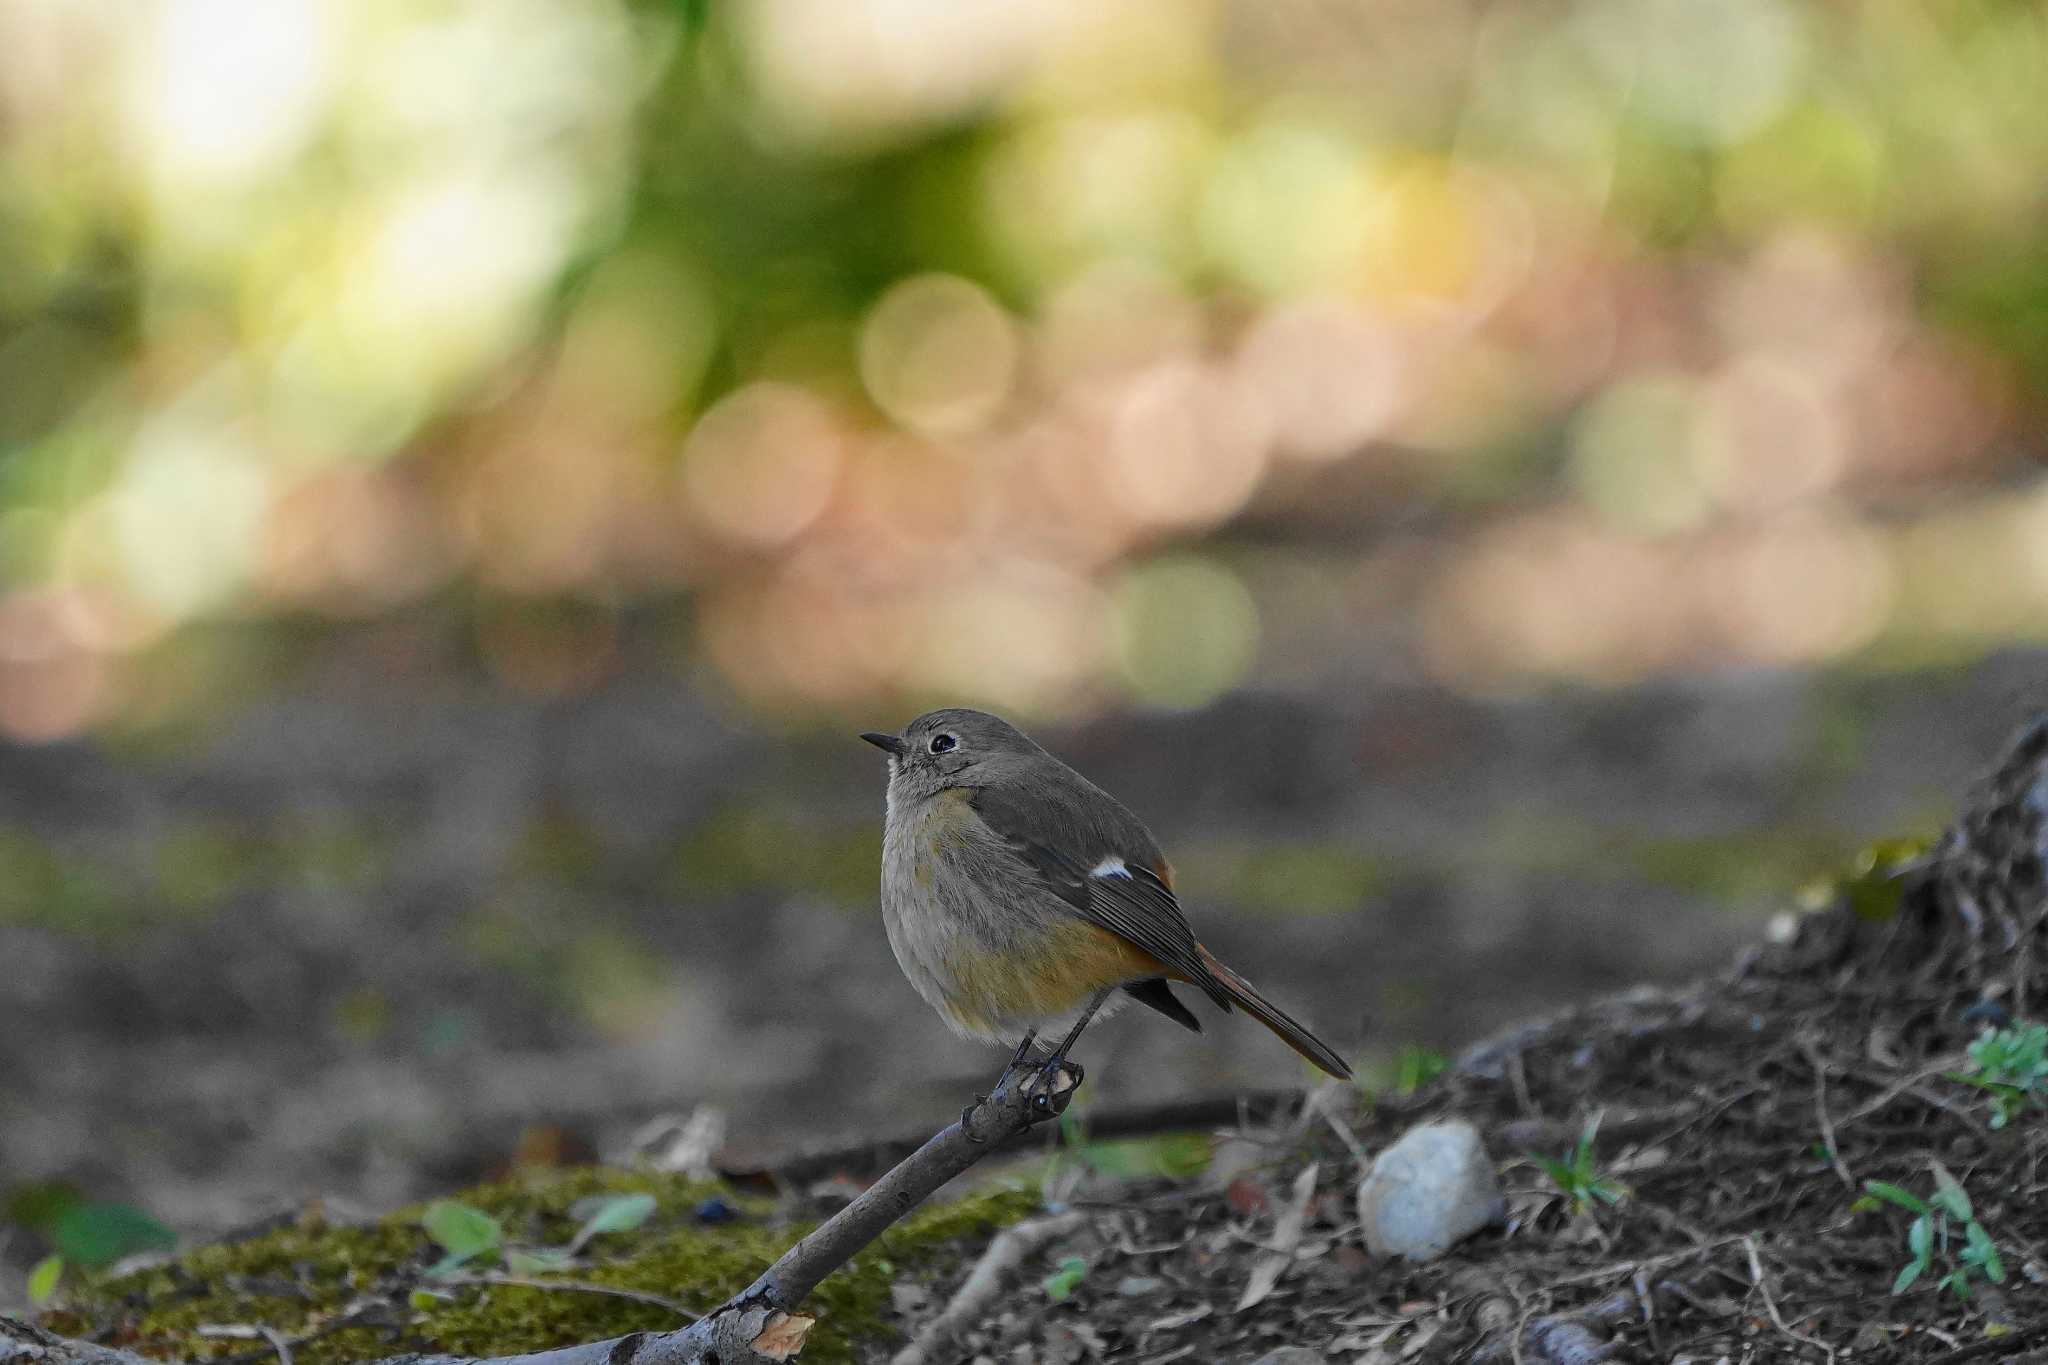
(1096, 856)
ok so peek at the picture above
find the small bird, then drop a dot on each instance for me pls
(1019, 895)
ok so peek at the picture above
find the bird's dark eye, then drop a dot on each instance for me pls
(943, 744)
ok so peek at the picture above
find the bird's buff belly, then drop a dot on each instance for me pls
(993, 954)
(1034, 983)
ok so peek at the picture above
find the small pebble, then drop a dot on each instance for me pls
(1138, 1286)
(1430, 1190)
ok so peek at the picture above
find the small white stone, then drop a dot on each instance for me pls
(1430, 1190)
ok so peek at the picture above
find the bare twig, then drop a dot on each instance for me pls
(1323, 1101)
(1910, 1082)
(1820, 1110)
(802, 1167)
(236, 1331)
(578, 1287)
(1763, 1289)
(1009, 1250)
(22, 1344)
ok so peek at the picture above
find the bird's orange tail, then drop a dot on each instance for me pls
(1273, 1017)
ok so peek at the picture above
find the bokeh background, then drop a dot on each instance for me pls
(1508, 491)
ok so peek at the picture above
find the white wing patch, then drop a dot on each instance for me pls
(1111, 866)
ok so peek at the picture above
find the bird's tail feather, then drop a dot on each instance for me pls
(1273, 1017)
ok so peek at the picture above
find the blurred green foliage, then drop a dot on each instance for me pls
(933, 350)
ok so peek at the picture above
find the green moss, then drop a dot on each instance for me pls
(298, 1278)
(1871, 885)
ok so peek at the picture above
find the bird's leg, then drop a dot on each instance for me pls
(1049, 1069)
(1016, 1060)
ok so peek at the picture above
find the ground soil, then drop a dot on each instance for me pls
(1743, 1115)
(369, 935)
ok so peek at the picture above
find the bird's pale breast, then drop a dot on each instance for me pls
(985, 945)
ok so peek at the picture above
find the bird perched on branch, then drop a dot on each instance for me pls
(1020, 896)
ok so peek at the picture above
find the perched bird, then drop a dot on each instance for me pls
(1019, 896)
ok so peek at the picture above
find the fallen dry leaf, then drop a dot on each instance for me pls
(1174, 1321)
(784, 1335)
(1266, 1271)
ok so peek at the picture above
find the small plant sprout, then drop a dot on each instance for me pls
(608, 1213)
(2011, 1065)
(1576, 1175)
(463, 1232)
(42, 1281)
(1060, 1285)
(1944, 1232)
(1416, 1067)
(469, 1234)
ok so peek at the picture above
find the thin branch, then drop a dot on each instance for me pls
(23, 1344)
(802, 1167)
(1926, 1073)
(578, 1287)
(1009, 1250)
(1820, 1110)
(1756, 1277)
(236, 1331)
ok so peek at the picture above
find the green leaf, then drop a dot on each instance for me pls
(42, 1281)
(1591, 1131)
(1061, 1283)
(1948, 1193)
(1174, 1155)
(424, 1300)
(1907, 1276)
(1983, 1252)
(541, 1262)
(1891, 1193)
(452, 1262)
(1916, 1238)
(1416, 1067)
(622, 1213)
(96, 1235)
(461, 1230)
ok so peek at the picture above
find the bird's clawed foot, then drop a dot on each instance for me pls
(1045, 1080)
(1054, 1078)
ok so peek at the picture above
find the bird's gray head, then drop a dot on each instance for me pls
(954, 747)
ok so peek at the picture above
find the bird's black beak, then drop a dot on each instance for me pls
(892, 743)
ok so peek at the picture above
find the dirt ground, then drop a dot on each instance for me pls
(485, 925)
(1744, 1115)
(1744, 1119)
